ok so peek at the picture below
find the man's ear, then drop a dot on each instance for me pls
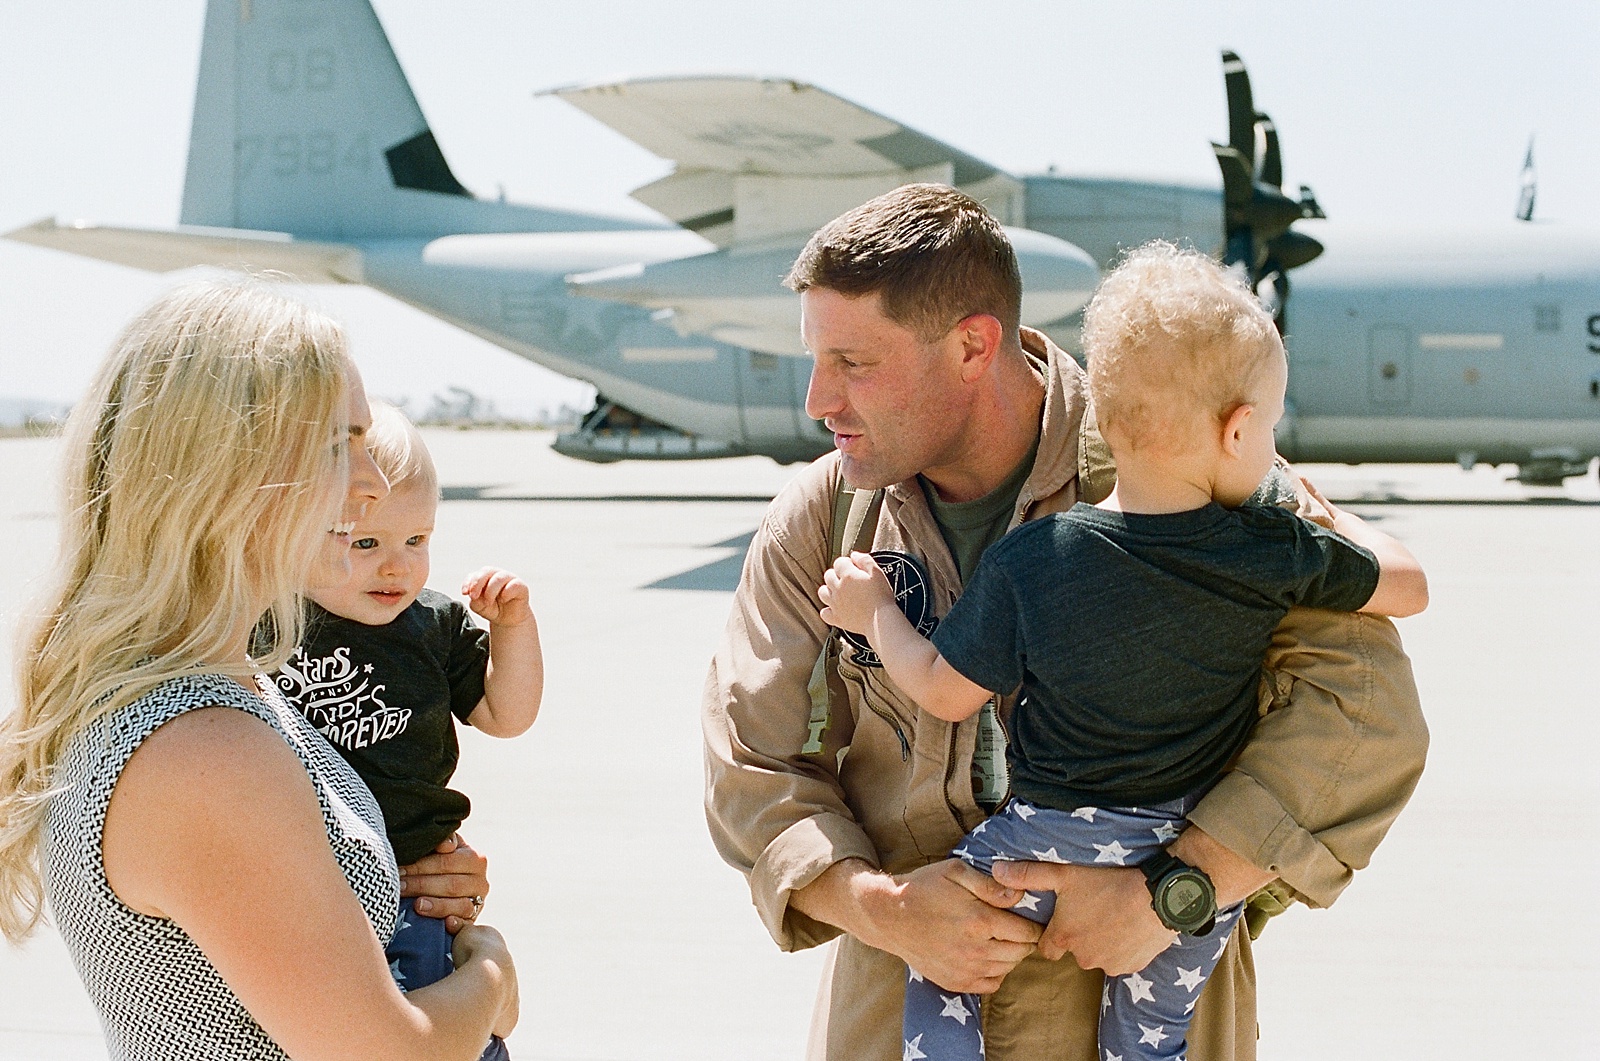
(981, 336)
(1233, 429)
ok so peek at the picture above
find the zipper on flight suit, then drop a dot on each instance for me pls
(950, 765)
(888, 716)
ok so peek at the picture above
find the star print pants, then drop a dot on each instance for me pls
(419, 955)
(1144, 1015)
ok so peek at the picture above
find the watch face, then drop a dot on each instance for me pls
(1187, 902)
(1186, 899)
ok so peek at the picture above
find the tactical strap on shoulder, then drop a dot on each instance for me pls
(853, 528)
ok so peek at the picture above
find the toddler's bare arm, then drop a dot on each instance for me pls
(1402, 585)
(859, 598)
(514, 684)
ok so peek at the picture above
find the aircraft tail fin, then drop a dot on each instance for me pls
(304, 123)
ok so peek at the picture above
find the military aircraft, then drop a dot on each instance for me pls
(309, 154)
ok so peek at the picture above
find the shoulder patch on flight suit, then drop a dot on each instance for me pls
(911, 592)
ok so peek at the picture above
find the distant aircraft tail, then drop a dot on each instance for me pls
(304, 123)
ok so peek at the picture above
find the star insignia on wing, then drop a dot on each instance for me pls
(1113, 852)
(955, 1008)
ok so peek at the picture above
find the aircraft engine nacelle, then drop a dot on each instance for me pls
(737, 295)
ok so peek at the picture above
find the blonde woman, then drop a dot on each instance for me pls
(218, 872)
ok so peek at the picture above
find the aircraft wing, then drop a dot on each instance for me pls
(767, 161)
(163, 250)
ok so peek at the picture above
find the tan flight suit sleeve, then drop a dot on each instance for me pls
(1334, 758)
(1340, 745)
(778, 816)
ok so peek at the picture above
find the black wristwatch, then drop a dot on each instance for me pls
(1182, 896)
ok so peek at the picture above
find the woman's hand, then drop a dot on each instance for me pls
(482, 943)
(451, 883)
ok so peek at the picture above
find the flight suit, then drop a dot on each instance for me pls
(1332, 762)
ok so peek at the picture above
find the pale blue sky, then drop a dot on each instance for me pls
(1414, 112)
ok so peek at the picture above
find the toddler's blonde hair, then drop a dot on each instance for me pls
(1174, 343)
(398, 450)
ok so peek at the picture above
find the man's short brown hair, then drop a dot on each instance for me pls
(932, 254)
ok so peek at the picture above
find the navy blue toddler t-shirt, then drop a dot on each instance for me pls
(1138, 640)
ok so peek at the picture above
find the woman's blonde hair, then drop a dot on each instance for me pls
(202, 472)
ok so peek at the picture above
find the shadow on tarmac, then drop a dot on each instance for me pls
(719, 576)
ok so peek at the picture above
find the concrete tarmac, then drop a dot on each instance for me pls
(1473, 934)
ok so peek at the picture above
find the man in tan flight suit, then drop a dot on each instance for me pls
(841, 802)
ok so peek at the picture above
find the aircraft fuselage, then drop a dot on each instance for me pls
(1405, 345)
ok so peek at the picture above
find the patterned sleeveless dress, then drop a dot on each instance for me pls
(158, 997)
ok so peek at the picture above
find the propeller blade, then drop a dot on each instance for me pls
(1237, 185)
(1241, 107)
(1270, 212)
(1241, 252)
(1256, 214)
(1280, 291)
(1529, 186)
(1292, 249)
(1271, 153)
(1309, 207)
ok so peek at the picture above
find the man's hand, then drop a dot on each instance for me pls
(948, 921)
(853, 589)
(446, 882)
(1103, 916)
(498, 596)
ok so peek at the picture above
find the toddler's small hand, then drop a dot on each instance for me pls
(498, 596)
(1320, 510)
(853, 589)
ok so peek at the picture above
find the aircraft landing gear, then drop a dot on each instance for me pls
(1550, 468)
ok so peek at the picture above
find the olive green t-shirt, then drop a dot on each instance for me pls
(970, 527)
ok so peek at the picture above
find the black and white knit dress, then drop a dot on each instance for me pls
(159, 998)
